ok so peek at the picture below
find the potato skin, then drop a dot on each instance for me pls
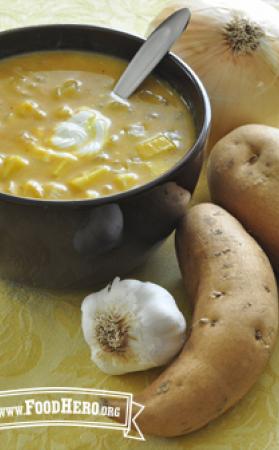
(234, 325)
(243, 177)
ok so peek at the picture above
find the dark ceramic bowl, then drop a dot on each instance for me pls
(88, 242)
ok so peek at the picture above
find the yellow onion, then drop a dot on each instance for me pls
(234, 48)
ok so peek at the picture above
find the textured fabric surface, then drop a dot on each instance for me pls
(41, 342)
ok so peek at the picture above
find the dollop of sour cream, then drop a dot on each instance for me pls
(87, 130)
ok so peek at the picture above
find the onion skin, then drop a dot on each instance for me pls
(243, 88)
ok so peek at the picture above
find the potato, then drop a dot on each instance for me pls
(243, 177)
(234, 296)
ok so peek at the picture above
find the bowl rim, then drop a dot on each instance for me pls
(195, 149)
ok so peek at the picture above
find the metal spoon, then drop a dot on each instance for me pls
(151, 52)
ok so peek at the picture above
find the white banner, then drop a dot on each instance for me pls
(70, 406)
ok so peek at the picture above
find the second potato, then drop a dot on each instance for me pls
(243, 177)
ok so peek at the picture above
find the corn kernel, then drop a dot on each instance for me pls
(54, 190)
(60, 168)
(32, 189)
(151, 97)
(12, 188)
(29, 108)
(13, 164)
(39, 132)
(126, 180)
(68, 88)
(86, 180)
(38, 151)
(64, 112)
(152, 147)
(90, 193)
(47, 154)
(119, 106)
(65, 156)
(157, 169)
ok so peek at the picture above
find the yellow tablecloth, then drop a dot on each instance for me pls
(41, 342)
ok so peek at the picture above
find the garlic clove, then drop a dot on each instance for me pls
(132, 325)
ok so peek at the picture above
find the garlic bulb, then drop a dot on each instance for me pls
(234, 48)
(131, 325)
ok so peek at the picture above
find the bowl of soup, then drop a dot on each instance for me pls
(90, 184)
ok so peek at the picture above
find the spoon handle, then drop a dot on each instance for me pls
(151, 52)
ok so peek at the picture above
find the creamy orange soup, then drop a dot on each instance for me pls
(65, 136)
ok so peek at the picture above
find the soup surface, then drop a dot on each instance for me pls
(65, 136)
